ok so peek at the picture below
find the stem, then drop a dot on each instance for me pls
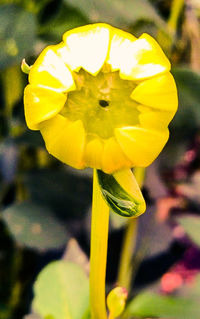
(11, 78)
(128, 246)
(167, 36)
(129, 242)
(176, 9)
(98, 252)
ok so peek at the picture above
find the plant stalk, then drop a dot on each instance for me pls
(176, 8)
(128, 247)
(98, 252)
(129, 242)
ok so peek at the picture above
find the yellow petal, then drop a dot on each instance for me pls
(67, 56)
(49, 70)
(41, 104)
(88, 46)
(93, 153)
(159, 92)
(120, 48)
(128, 182)
(141, 145)
(157, 120)
(141, 59)
(113, 157)
(65, 140)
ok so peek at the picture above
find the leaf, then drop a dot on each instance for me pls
(156, 240)
(192, 290)
(17, 34)
(120, 13)
(30, 138)
(35, 316)
(34, 226)
(148, 304)
(124, 202)
(191, 225)
(75, 254)
(117, 221)
(67, 18)
(61, 291)
(187, 119)
(58, 189)
(116, 301)
(188, 115)
(8, 160)
(190, 189)
(32, 316)
(49, 11)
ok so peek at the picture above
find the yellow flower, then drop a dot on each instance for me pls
(102, 98)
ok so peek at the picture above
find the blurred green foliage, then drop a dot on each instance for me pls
(16, 40)
(43, 202)
(34, 226)
(149, 304)
(62, 291)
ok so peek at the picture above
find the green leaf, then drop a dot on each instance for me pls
(62, 291)
(36, 316)
(58, 189)
(29, 138)
(34, 226)
(191, 225)
(188, 115)
(25, 67)
(122, 193)
(116, 301)
(187, 119)
(66, 19)
(148, 304)
(17, 34)
(32, 316)
(120, 13)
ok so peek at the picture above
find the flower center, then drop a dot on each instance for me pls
(102, 102)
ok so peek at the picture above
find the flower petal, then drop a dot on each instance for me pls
(113, 157)
(65, 140)
(93, 153)
(41, 104)
(88, 47)
(141, 145)
(49, 70)
(120, 48)
(126, 179)
(153, 119)
(141, 59)
(159, 92)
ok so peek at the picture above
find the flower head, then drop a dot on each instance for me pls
(102, 98)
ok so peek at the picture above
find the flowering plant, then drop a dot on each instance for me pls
(103, 99)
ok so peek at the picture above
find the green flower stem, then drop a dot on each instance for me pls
(128, 246)
(98, 252)
(167, 36)
(129, 242)
(11, 78)
(176, 8)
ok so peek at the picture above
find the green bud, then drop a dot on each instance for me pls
(116, 301)
(25, 67)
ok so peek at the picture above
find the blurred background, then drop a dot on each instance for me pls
(45, 205)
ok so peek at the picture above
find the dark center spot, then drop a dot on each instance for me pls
(103, 103)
